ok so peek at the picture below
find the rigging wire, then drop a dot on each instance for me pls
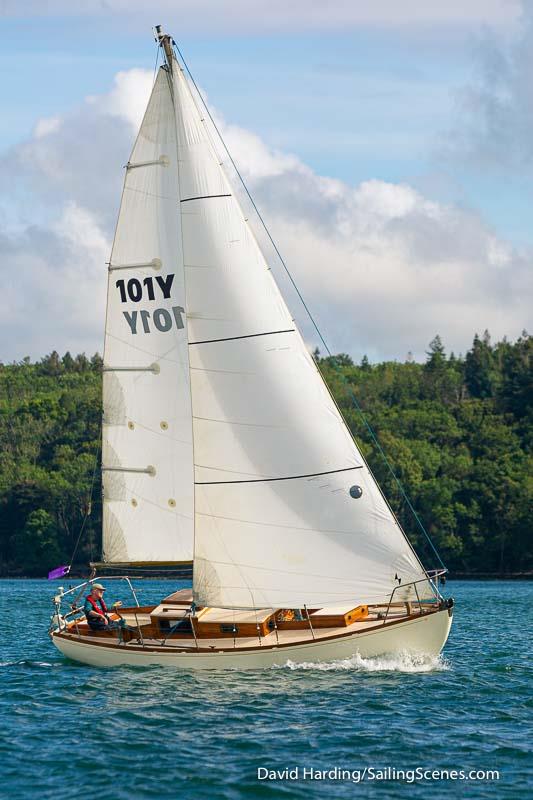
(156, 62)
(87, 509)
(310, 315)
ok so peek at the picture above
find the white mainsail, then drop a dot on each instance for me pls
(147, 429)
(275, 523)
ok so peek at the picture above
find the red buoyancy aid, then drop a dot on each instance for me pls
(102, 611)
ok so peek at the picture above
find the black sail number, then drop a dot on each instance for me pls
(160, 319)
(134, 290)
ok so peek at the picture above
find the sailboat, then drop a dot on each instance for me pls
(222, 446)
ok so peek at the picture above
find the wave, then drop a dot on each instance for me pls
(27, 663)
(398, 662)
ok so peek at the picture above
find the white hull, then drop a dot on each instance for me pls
(425, 635)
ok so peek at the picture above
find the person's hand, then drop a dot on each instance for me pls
(117, 604)
(106, 621)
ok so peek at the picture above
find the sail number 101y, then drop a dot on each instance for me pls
(160, 318)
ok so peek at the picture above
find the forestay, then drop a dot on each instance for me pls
(147, 431)
(275, 524)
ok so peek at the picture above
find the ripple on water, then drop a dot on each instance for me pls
(29, 663)
(158, 733)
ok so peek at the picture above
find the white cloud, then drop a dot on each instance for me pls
(384, 267)
(494, 114)
(128, 97)
(256, 159)
(78, 227)
(45, 126)
(387, 270)
(53, 292)
(80, 158)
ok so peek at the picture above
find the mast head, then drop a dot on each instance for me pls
(166, 42)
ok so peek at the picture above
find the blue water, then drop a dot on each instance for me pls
(69, 730)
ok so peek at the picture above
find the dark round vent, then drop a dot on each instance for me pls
(355, 492)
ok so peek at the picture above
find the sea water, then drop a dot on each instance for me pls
(385, 727)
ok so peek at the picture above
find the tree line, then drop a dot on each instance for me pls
(456, 431)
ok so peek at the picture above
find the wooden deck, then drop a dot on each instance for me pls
(213, 628)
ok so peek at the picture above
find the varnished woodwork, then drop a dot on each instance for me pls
(278, 646)
(357, 614)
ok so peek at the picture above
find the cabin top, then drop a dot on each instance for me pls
(241, 617)
(181, 597)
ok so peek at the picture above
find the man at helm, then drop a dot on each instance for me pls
(97, 612)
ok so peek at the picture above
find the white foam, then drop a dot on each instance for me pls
(27, 663)
(399, 662)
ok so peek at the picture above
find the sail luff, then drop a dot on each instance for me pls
(172, 60)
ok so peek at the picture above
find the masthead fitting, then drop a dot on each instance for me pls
(165, 41)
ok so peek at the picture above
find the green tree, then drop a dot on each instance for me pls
(479, 374)
(457, 431)
(516, 392)
(37, 545)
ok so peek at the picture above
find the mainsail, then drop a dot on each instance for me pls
(287, 513)
(147, 430)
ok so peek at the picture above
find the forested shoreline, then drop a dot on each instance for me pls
(457, 431)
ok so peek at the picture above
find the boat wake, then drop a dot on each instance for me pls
(27, 663)
(399, 662)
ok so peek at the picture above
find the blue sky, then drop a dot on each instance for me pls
(404, 99)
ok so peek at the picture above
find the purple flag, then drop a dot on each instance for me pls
(58, 572)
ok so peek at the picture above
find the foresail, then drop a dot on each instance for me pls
(275, 522)
(147, 429)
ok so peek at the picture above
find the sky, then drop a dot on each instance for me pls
(389, 147)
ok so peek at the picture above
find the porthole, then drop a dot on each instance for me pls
(356, 492)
